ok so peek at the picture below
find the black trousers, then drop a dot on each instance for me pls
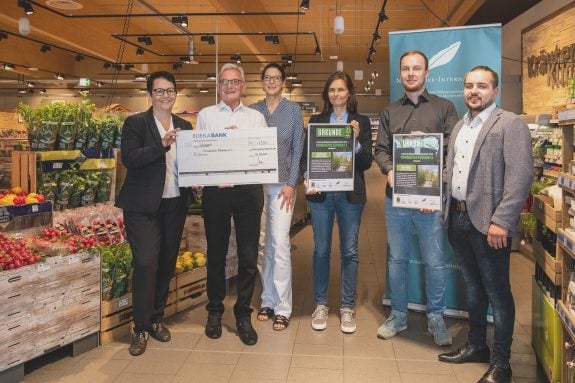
(245, 204)
(155, 241)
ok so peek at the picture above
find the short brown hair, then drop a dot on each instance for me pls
(414, 52)
(494, 75)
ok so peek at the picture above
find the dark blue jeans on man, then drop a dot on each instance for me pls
(486, 275)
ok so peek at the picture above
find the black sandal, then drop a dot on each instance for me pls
(280, 320)
(265, 314)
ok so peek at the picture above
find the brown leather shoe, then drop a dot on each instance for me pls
(466, 354)
(160, 332)
(496, 374)
(139, 342)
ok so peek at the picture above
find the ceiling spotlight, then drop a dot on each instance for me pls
(209, 38)
(107, 65)
(45, 48)
(304, 5)
(145, 39)
(382, 16)
(139, 51)
(371, 50)
(296, 84)
(9, 67)
(211, 76)
(184, 21)
(291, 76)
(236, 58)
(21, 90)
(29, 84)
(376, 36)
(128, 66)
(42, 91)
(59, 76)
(276, 39)
(317, 50)
(369, 61)
(203, 90)
(139, 77)
(27, 7)
(185, 59)
(176, 66)
(366, 88)
(99, 84)
(3, 35)
(79, 58)
(287, 58)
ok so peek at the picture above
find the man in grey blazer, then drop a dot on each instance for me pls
(489, 174)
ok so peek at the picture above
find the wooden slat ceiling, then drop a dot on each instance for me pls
(102, 34)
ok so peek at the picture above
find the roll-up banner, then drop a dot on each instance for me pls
(451, 52)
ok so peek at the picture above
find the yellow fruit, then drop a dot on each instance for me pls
(32, 195)
(201, 261)
(9, 197)
(5, 201)
(16, 190)
(31, 200)
(179, 268)
(187, 254)
(198, 254)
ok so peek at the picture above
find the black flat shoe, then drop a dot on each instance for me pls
(496, 374)
(214, 326)
(466, 354)
(160, 332)
(246, 332)
(139, 342)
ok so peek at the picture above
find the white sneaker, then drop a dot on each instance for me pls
(348, 324)
(319, 317)
(395, 322)
(436, 327)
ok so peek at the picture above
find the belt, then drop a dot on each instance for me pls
(460, 206)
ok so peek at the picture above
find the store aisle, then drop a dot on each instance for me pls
(299, 354)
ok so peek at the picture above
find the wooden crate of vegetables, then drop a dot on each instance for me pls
(47, 304)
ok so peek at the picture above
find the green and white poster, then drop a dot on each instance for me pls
(331, 157)
(417, 170)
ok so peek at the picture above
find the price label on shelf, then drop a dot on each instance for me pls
(124, 302)
(35, 208)
(43, 266)
(57, 165)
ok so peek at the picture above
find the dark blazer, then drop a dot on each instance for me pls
(363, 158)
(145, 158)
(500, 174)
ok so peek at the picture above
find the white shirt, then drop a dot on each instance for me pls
(171, 188)
(221, 116)
(464, 145)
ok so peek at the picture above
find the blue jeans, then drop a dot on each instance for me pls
(402, 226)
(486, 275)
(348, 221)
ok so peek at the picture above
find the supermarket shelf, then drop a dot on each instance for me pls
(566, 182)
(567, 317)
(566, 242)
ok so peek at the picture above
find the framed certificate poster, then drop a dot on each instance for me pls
(331, 157)
(417, 170)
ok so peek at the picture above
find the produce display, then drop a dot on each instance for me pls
(15, 196)
(188, 261)
(116, 270)
(16, 253)
(74, 188)
(61, 126)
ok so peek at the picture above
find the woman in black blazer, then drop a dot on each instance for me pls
(340, 106)
(154, 206)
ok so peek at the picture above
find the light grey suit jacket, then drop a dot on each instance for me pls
(501, 171)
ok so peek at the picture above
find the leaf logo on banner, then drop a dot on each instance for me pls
(444, 56)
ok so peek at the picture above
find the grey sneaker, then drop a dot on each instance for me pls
(395, 322)
(319, 317)
(348, 324)
(436, 327)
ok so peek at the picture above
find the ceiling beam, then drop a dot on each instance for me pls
(463, 11)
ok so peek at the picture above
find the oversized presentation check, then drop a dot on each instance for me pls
(230, 156)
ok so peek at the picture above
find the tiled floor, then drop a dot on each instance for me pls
(299, 354)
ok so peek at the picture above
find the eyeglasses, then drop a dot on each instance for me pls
(234, 82)
(273, 78)
(162, 91)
